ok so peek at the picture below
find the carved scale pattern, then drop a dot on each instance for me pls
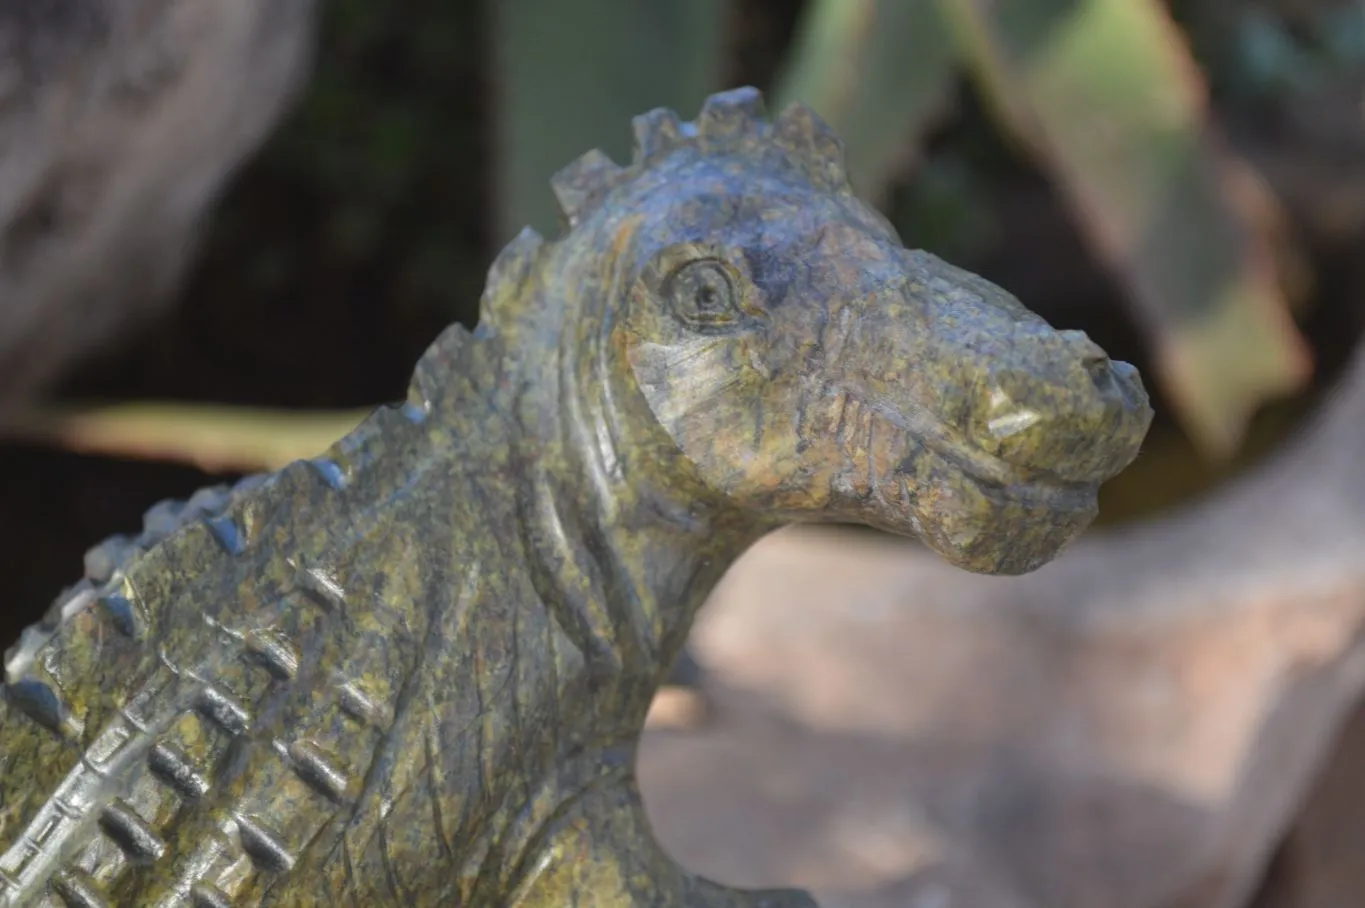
(142, 755)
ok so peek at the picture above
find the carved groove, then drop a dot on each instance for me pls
(223, 709)
(78, 890)
(131, 833)
(108, 745)
(263, 845)
(149, 701)
(174, 768)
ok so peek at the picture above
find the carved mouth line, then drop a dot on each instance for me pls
(916, 428)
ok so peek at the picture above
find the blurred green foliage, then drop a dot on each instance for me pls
(383, 152)
(569, 77)
(1105, 94)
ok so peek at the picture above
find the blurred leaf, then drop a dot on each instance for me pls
(878, 71)
(1108, 98)
(570, 76)
(213, 438)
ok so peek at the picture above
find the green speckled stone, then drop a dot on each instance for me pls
(413, 671)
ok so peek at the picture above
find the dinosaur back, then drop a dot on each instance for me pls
(207, 701)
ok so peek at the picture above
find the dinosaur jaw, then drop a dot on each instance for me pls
(909, 474)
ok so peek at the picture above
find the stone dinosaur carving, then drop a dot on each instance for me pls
(413, 671)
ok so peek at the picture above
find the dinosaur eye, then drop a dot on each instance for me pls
(703, 294)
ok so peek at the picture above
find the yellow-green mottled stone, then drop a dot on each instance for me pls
(413, 671)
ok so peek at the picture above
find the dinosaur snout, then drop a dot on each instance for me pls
(1062, 406)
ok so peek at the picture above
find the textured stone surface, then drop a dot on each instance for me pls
(1135, 725)
(414, 671)
(119, 122)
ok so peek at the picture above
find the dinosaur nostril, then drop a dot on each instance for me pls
(1125, 384)
(1101, 373)
(1050, 417)
(1094, 360)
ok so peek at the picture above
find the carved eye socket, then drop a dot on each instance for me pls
(702, 293)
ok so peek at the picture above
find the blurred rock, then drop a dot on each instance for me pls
(120, 120)
(1319, 864)
(1133, 726)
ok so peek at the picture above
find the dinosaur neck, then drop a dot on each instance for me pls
(622, 552)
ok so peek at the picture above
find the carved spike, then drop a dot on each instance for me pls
(78, 889)
(69, 602)
(331, 471)
(209, 500)
(131, 833)
(173, 767)
(254, 482)
(228, 534)
(657, 133)
(275, 651)
(423, 389)
(517, 258)
(431, 377)
(206, 895)
(40, 702)
(812, 145)
(730, 120)
(223, 709)
(318, 585)
(263, 845)
(320, 771)
(579, 187)
(109, 745)
(360, 705)
(504, 294)
(101, 561)
(124, 612)
(416, 409)
(162, 518)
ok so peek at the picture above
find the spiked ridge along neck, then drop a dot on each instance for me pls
(730, 123)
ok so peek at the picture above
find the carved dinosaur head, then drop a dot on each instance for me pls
(810, 366)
